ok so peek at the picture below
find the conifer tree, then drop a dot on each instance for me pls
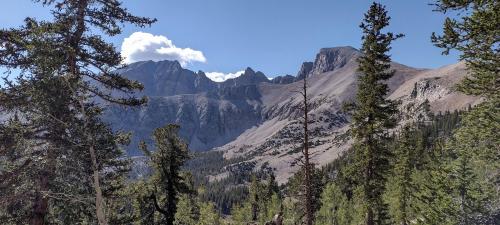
(188, 211)
(86, 63)
(474, 149)
(335, 208)
(167, 160)
(208, 215)
(241, 213)
(402, 183)
(373, 114)
(296, 189)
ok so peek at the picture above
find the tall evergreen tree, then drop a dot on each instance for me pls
(208, 215)
(373, 114)
(86, 64)
(335, 208)
(188, 210)
(167, 183)
(402, 184)
(474, 149)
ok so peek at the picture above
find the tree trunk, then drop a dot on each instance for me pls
(41, 202)
(99, 200)
(307, 170)
(75, 43)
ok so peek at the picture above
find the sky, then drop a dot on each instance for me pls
(223, 37)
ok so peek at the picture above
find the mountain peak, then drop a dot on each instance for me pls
(341, 49)
(304, 71)
(330, 59)
(249, 71)
(248, 77)
(169, 64)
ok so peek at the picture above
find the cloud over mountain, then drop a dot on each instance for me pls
(141, 46)
(221, 77)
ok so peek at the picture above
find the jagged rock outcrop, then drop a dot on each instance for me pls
(247, 78)
(287, 79)
(304, 71)
(210, 114)
(167, 78)
(330, 59)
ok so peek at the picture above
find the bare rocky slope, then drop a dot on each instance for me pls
(257, 121)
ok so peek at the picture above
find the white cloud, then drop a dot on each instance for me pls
(142, 46)
(221, 77)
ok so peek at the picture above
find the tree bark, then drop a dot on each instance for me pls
(41, 202)
(307, 169)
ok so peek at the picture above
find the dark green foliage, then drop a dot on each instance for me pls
(408, 150)
(475, 34)
(64, 66)
(166, 182)
(262, 204)
(228, 190)
(373, 115)
(474, 149)
(419, 179)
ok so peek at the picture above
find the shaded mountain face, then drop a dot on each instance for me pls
(210, 113)
(304, 71)
(167, 78)
(257, 120)
(283, 79)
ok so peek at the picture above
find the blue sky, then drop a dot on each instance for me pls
(273, 36)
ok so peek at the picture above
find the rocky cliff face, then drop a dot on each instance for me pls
(258, 121)
(287, 79)
(330, 59)
(167, 78)
(249, 77)
(210, 114)
(304, 71)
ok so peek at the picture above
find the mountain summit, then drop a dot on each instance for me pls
(330, 59)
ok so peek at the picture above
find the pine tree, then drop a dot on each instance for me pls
(475, 145)
(208, 215)
(242, 213)
(167, 160)
(68, 47)
(16, 165)
(256, 198)
(188, 210)
(373, 114)
(401, 185)
(335, 208)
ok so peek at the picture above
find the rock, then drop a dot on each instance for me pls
(210, 113)
(304, 71)
(283, 79)
(330, 59)
(247, 78)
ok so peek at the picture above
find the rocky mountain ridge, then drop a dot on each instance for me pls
(257, 120)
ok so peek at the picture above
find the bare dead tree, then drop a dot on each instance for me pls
(306, 162)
